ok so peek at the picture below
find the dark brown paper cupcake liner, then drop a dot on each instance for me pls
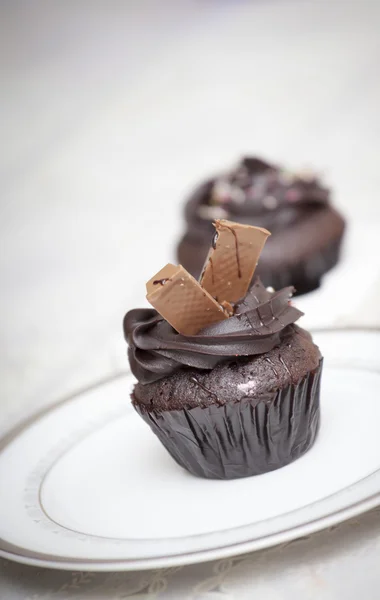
(245, 438)
(306, 275)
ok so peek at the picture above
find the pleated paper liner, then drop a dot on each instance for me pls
(244, 438)
(306, 275)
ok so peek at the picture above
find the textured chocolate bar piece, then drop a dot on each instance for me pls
(181, 301)
(232, 260)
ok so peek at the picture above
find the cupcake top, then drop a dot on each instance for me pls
(258, 323)
(202, 324)
(257, 191)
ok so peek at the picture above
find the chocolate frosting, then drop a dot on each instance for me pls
(256, 191)
(259, 322)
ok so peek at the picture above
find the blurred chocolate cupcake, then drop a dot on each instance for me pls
(230, 387)
(306, 230)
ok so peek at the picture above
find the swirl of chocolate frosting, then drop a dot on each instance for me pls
(259, 322)
(257, 190)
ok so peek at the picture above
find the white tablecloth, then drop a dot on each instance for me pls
(111, 111)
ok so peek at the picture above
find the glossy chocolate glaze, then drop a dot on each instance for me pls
(156, 350)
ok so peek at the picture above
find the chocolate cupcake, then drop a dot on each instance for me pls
(306, 231)
(230, 388)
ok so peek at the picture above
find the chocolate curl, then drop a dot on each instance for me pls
(232, 260)
(181, 300)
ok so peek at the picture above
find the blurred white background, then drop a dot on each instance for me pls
(112, 111)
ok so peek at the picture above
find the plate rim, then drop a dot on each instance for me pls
(290, 533)
(28, 557)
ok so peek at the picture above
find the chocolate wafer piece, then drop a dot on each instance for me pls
(181, 301)
(232, 260)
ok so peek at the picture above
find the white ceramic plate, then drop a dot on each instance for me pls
(86, 485)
